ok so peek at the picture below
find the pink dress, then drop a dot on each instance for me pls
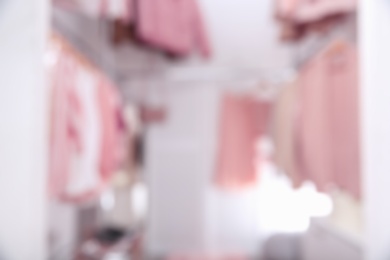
(328, 127)
(243, 121)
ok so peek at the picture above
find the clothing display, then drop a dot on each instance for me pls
(86, 135)
(328, 124)
(243, 122)
(175, 27)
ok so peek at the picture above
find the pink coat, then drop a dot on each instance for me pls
(173, 25)
(243, 121)
(328, 127)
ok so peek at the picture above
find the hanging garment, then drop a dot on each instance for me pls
(113, 149)
(85, 144)
(84, 180)
(284, 130)
(175, 26)
(328, 127)
(344, 98)
(243, 121)
(74, 133)
(64, 137)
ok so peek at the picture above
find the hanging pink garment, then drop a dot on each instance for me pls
(64, 136)
(113, 144)
(84, 178)
(306, 11)
(74, 133)
(243, 121)
(173, 25)
(328, 128)
(345, 116)
(86, 137)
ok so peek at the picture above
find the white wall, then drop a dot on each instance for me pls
(23, 128)
(375, 93)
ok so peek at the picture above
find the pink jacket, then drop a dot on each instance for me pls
(328, 128)
(305, 11)
(173, 25)
(243, 121)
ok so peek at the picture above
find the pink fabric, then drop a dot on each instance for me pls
(61, 77)
(113, 145)
(305, 11)
(173, 25)
(86, 140)
(328, 129)
(243, 121)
